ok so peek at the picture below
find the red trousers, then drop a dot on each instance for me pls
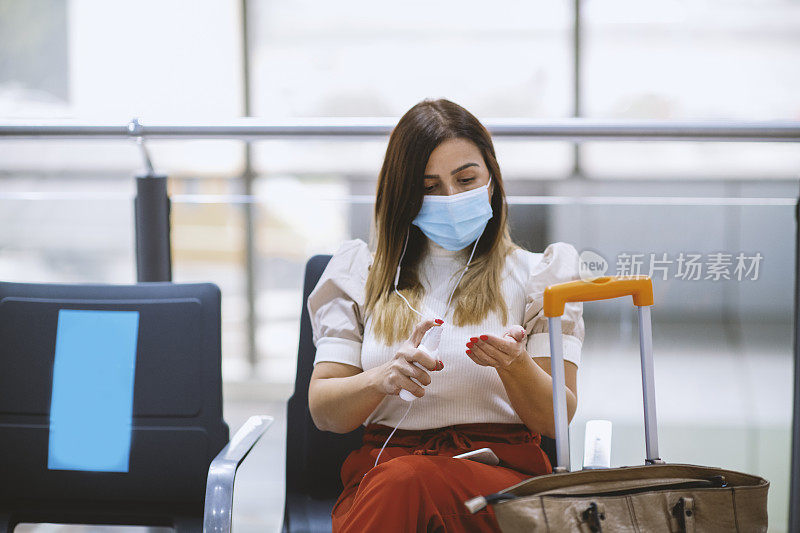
(418, 486)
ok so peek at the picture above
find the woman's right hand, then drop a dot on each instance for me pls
(395, 375)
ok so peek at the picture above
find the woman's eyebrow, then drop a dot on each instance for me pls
(452, 172)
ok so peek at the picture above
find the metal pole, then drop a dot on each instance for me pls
(250, 229)
(577, 82)
(559, 394)
(357, 128)
(151, 211)
(794, 491)
(648, 385)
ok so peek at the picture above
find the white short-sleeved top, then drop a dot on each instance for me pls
(463, 392)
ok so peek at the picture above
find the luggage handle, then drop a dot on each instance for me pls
(601, 288)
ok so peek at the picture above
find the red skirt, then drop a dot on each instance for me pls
(418, 486)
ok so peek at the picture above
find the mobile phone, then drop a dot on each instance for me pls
(483, 455)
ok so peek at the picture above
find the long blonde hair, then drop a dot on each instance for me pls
(398, 200)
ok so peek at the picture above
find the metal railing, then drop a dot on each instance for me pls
(568, 129)
(152, 203)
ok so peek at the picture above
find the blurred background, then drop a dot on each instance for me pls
(247, 215)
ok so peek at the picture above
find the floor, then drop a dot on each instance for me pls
(724, 399)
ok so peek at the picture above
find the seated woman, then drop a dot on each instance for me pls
(443, 259)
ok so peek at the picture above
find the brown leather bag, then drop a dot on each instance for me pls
(654, 497)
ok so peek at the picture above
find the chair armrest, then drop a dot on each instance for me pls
(222, 471)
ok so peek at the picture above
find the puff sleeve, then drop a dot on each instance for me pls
(559, 263)
(336, 305)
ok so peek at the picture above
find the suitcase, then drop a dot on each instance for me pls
(653, 497)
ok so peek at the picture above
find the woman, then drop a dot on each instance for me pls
(444, 252)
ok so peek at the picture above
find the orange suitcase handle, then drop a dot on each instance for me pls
(601, 288)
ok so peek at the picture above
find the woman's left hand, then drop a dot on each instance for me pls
(498, 352)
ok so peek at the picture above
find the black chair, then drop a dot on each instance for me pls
(313, 457)
(111, 407)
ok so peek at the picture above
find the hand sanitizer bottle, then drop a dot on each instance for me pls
(429, 345)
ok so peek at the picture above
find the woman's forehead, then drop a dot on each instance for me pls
(451, 154)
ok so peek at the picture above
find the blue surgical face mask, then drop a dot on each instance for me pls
(455, 221)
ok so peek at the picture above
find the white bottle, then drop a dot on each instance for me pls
(429, 345)
(597, 445)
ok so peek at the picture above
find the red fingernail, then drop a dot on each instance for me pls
(439, 321)
(469, 352)
(469, 345)
(484, 338)
(441, 365)
(474, 339)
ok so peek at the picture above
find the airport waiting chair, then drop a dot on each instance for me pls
(111, 407)
(313, 457)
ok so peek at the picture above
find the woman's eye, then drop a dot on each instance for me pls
(429, 188)
(467, 180)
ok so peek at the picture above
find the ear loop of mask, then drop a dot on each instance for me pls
(396, 280)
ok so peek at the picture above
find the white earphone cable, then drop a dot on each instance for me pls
(392, 433)
(474, 246)
(396, 279)
(464, 271)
